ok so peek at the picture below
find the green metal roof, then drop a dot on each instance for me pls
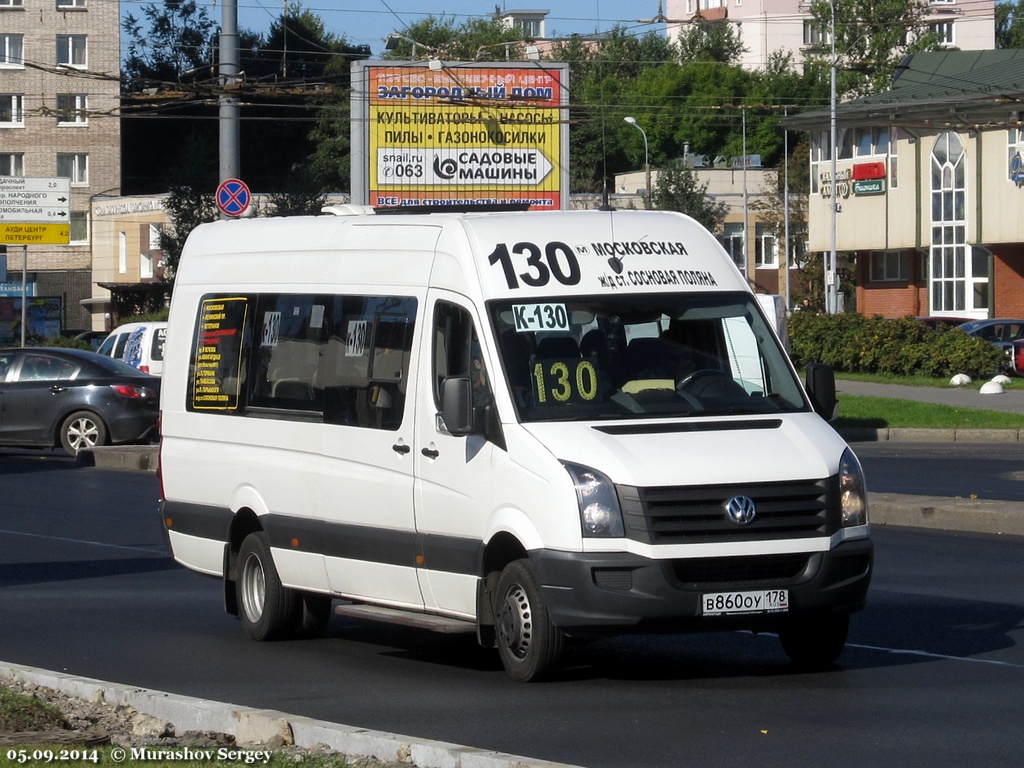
(936, 91)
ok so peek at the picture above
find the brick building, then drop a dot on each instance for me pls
(60, 64)
(929, 179)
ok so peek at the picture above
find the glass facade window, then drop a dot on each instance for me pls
(955, 285)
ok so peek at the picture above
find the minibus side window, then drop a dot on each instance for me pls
(363, 372)
(289, 331)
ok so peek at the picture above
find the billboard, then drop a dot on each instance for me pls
(460, 133)
(43, 315)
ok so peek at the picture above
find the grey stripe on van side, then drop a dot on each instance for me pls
(450, 554)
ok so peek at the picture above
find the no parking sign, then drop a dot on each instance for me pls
(233, 197)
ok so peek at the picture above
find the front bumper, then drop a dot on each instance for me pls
(605, 593)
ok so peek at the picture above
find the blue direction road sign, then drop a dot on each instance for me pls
(233, 197)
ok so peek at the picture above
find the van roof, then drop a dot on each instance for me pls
(512, 254)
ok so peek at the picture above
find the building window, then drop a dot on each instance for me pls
(12, 164)
(12, 51)
(71, 51)
(766, 250)
(12, 3)
(955, 287)
(529, 27)
(871, 142)
(888, 266)
(145, 265)
(12, 110)
(64, 5)
(74, 167)
(894, 135)
(815, 35)
(79, 227)
(156, 233)
(732, 240)
(122, 253)
(944, 29)
(72, 109)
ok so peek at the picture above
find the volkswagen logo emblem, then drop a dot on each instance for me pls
(741, 510)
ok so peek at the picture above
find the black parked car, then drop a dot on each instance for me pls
(74, 399)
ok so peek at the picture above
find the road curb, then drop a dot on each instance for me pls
(124, 457)
(947, 514)
(915, 435)
(256, 727)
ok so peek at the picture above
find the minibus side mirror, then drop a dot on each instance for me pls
(457, 405)
(821, 386)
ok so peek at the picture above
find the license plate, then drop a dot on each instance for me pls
(757, 601)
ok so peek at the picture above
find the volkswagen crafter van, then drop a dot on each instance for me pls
(534, 426)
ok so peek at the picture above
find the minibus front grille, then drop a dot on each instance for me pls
(725, 572)
(697, 514)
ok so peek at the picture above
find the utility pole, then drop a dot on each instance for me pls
(228, 75)
(831, 278)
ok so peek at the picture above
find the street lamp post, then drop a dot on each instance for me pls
(647, 158)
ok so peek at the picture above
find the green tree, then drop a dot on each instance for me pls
(871, 37)
(1010, 24)
(677, 189)
(473, 40)
(187, 208)
(771, 206)
(710, 41)
(178, 46)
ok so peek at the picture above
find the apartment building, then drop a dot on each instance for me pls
(60, 64)
(765, 26)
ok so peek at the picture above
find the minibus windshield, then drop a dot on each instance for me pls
(646, 355)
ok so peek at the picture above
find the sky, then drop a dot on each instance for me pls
(368, 22)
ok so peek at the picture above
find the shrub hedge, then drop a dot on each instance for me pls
(851, 343)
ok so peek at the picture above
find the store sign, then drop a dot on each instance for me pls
(872, 187)
(1017, 170)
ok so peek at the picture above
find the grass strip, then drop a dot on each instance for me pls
(883, 412)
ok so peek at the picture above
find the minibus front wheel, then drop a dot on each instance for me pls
(815, 642)
(269, 611)
(528, 644)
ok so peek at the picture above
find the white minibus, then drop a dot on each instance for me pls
(534, 426)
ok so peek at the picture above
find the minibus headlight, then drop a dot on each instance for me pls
(598, 503)
(853, 496)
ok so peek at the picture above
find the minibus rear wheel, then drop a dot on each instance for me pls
(528, 644)
(268, 610)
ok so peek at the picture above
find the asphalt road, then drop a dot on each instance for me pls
(954, 470)
(931, 676)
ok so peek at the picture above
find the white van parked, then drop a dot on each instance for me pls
(536, 426)
(139, 344)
